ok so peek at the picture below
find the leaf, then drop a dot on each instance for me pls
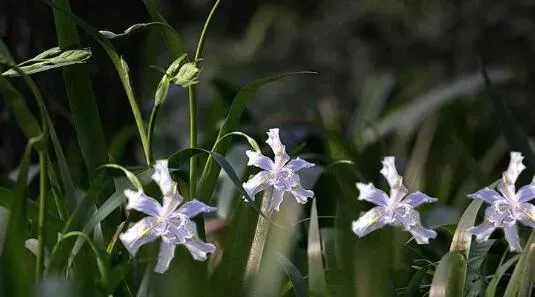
(500, 272)
(51, 59)
(5, 55)
(474, 278)
(172, 39)
(211, 170)
(297, 279)
(413, 289)
(407, 118)
(316, 272)
(138, 27)
(14, 258)
(449, 277)
(462, 239)
(129, 174)
(526, 284)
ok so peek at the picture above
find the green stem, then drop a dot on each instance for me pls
(150, 131)
(42, 215)
(192, 90)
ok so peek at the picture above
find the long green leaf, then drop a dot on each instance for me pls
(211, 170)
(316, 271)
(296, 277)
(500, 272)
(51, 59)
(80, 93)
(172, 39)
(449, 277)
(461, 238)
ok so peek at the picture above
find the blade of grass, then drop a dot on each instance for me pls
(316, 271)
(449, 277)
(296, 277)
(80, 94)
(500, 272)
(41, 237)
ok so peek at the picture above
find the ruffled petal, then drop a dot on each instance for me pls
(195, 207)
(301, 195)
(511, 235)
(507, 190)
(276, 200)
(281, 157)
(257, 183)
(527, 214)
(418, 198)
(407, 216)
(163, 178)
(397, 193)
(370, 193)
(390, 172)
(259, 160)
(139, 201)
(526, 193)
(144, 231)
(486, 194)
(482, 231)
(298, 164)
(421, 234)
(368, 222)
(199, 249)
(167, 253)
(515, 168)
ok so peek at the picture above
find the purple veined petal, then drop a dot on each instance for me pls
(276, 200)
(281, 157)
(526, 193)
(515, 168)
(171, 202)
(507, 190)
(500, 213)
(301, 195)
(421, 234)
(199, 249)
(482, 231)
(139, 201)
(195, 207)
(390, 172)
(418, 198)
(486, 194)
(511, 235)
(368, 222)
(397, 193)
(370, 193)
(259, 160)
(167, 253)
(257, 183)
(527, 214)
(144, 231)
(407, 216)
(298, 164)
(163, 178)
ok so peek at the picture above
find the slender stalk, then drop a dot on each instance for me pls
(42, 215)
(192, 91)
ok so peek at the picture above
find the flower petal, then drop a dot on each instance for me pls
(257, 183)
(526, 193)
(421, 234)
(486, 194)
(163, 178)
(144, 231)
(507, 190)
(370, 221)
(407, 216)
(511, 235)
(259, 160)
(195, 207)
(418, 198)
(390, 172)
(482, 231)
(199, 249)
(167, 253)
(281, 157)
(527, 214)
(515, 168)
(370, 193)
(301, 195)
(139, 201)
(276, 200)
(298, 164)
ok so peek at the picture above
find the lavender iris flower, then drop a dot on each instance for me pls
(396, 209)
(168, 221)
(507, 206)
(280, 173)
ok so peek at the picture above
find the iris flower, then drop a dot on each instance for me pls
(168, 221)
(396, 209)
(507, 206)
(280, 173)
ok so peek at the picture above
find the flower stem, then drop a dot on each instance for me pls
(193, 104)
(42, 215)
